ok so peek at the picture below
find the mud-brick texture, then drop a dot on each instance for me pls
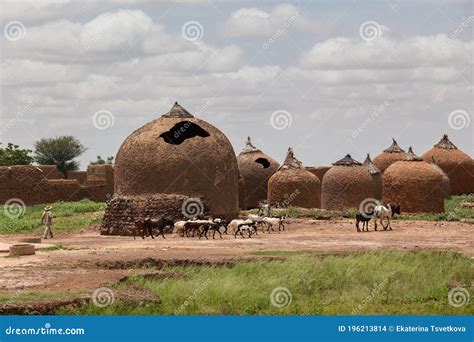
(122, 211)
(80, 176)
(51, 172)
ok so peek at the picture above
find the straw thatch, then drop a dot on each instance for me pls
(292, 185)
(179, 154)
(457, 165)
(446, 183)
(346, 185)
(413, 184)
(376, 175)
(255, 168)
(389, 156)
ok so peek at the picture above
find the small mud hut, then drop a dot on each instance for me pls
(181, 155)
(255, 168)
(446, 183)
(413, 184)
(376, 176)
(456, 164)
(389, 156)
(346, 185)
(294, 186)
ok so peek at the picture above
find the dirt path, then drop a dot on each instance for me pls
(83, 265)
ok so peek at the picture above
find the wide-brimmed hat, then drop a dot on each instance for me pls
(48, 208)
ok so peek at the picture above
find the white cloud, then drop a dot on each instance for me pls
(254, 22)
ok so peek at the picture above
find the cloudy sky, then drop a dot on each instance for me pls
(325, 77)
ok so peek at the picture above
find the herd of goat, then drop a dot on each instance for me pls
(201, 227)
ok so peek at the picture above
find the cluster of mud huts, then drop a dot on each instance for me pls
(178, 158)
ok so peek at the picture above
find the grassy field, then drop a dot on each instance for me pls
(365, 283)
(68, 216)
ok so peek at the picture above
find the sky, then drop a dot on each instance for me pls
(327, 78)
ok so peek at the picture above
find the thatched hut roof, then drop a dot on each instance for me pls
(255, 168)
(179, 154)
(414, 185)
(292, 185)
(457, 165)
(389, 156)
(376, 176)
(446, 183)
(346, 185)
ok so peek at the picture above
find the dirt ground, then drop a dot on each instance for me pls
(90, 260)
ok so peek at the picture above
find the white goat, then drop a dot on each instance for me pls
(233, 225)
(271, 221)
(381, 212)
(248, 227)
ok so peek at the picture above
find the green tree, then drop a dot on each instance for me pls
(60, 151)
(101, 161)
(14, 155)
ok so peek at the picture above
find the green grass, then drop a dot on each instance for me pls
(68, 216)
(406, 283)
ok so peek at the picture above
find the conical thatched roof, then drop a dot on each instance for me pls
(414, 185)
(255, 168)
(445, 143)
(347, 161)
(177, 112)
(389, 156)
(291, 162)
(457, 165)
(394, 148)
(179, 154)
(293, 185)
(411, 156)
(370, 166)
(346, 185)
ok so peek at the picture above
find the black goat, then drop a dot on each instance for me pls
(215, 227)
(147, 225)
(364, 218)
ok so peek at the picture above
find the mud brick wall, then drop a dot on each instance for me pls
(95, 191)
(104, 173)
(24, 182)
(122, 211)
(80, 176)
(63, 190)
(51, 172)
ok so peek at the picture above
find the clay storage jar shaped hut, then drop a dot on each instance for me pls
(457, 165)
(389, 156)
(179, 154)
(376, 177)
(293, 186)
(446, 183)
(414, 185)
(346, 185)
(255, 168)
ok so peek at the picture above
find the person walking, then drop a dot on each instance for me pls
(47, 220)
